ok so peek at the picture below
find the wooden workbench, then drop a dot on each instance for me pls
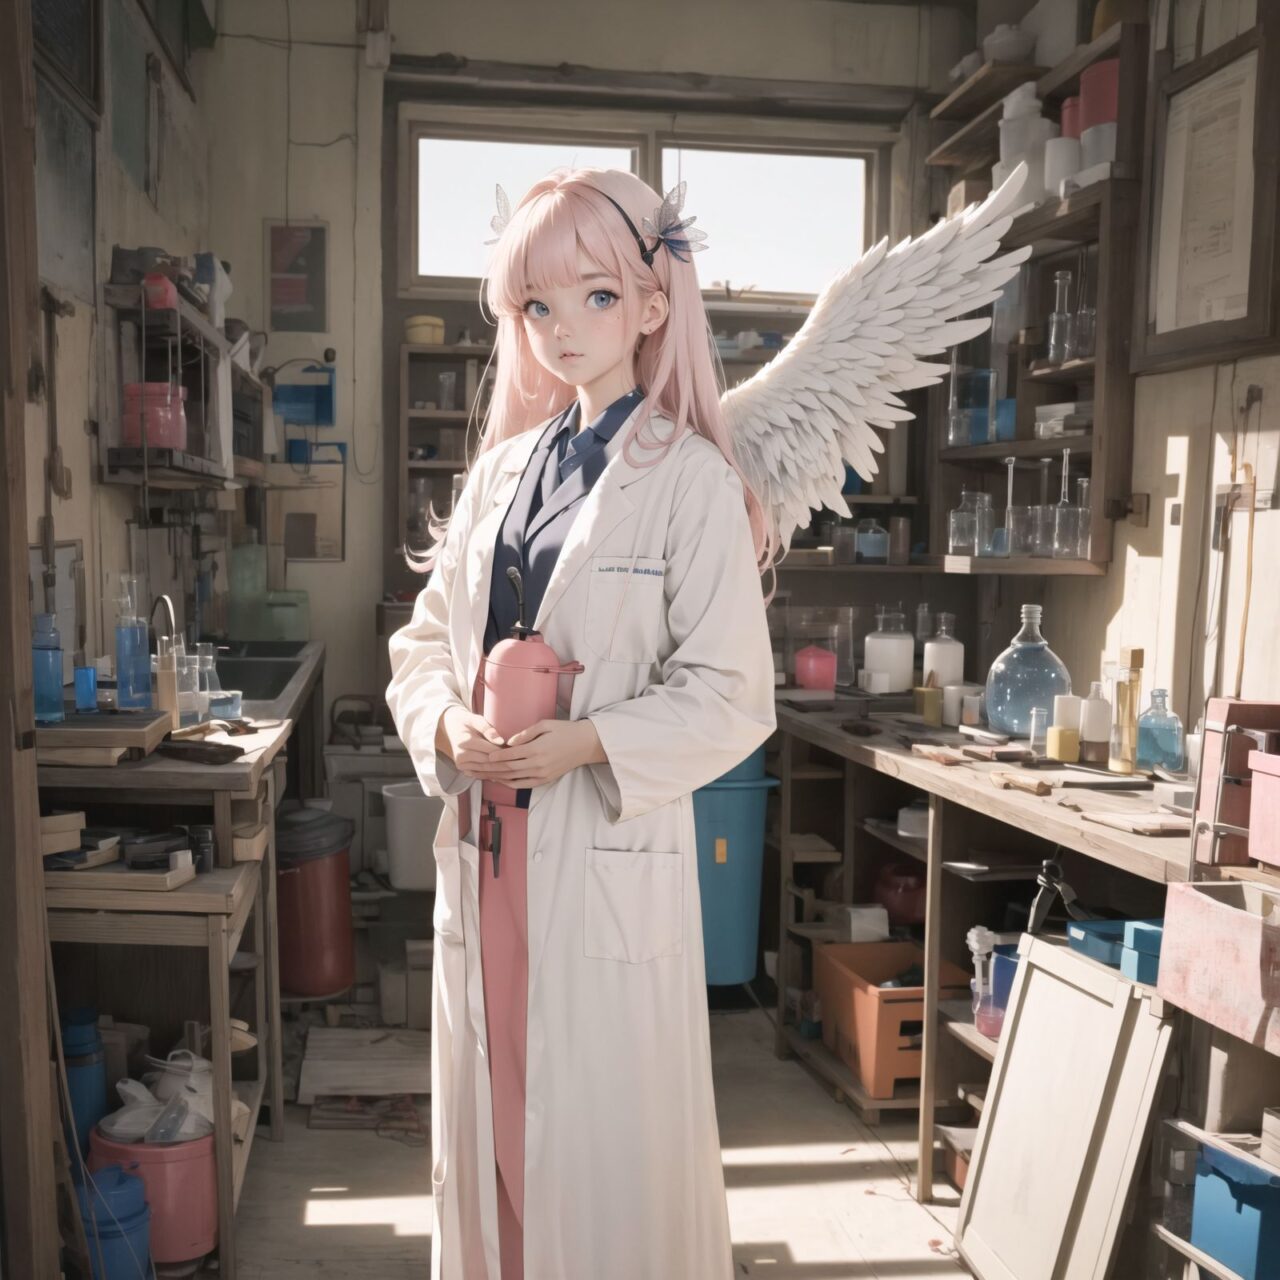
(211, 912)
(877, 775)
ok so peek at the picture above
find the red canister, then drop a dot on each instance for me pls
(1099, 94)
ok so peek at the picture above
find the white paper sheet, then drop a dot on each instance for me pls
(1201, 271)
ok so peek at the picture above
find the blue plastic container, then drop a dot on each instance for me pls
(117, 1223)
(86, 1072)
(1144, 935)
(729, 817)
(1139, 966)
(1004, 968)
(46, 669)
(1098, 939)
(1236, 1215)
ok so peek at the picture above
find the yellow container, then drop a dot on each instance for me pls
(424, 330)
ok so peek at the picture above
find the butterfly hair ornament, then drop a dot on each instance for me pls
(665, 226)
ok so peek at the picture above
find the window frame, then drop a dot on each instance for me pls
(647, 134)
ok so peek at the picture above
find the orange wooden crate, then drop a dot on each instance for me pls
(862, 1022)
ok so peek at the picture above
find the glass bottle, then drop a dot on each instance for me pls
(1084, 541)
(1027, 674)
(46, 669)
(1160, 738)
(889, 649)
(985, 526)
(1045, 513)
(1123, 754)
(133, 658)
(1060, 319)
(1066, 518)
(957, 418)
(944, 654)
(1095, 725)
(924, 626)
(873, 542)
(963, 525)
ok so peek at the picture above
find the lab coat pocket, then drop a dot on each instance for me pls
(633, 905)
(624, 607)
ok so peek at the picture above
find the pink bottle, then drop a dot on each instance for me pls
(521, 678)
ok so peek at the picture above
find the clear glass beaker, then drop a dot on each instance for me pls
(1060, 319)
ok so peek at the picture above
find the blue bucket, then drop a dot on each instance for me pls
(86, 1072)
(117, 1224)
(729, 817)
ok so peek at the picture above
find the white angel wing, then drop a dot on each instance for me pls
(814, 407)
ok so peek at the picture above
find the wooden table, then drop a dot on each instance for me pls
(160, 780)
(211, 912)
(877, 775)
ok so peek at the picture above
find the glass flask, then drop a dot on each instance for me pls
(1027, 674)
(962, 525)
(1045, 513)
(985, 528)
(1039, 731)
(1000, 537)
(1060, 320)
(890, 650)
(1067, 518)
(1160, 737)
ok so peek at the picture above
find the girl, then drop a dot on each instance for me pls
(573, 1120)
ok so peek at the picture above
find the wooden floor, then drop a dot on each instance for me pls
(813, 1194)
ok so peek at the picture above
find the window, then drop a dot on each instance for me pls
(776, 221)
(456, 178)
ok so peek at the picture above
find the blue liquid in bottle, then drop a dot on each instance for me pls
(1161, 743)
(46, 670)
(1027, 674)
(133, 656)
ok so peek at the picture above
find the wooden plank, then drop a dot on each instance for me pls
(118, 878)
(932, 976)
(974, 146)
(990, 83)
(1064, 79)
(144, 730)
(1023, 566)
(122, 928)
(214, 893)
(220, 1054)
(81, 757)
(270, 967)
(250, 1092)
(94, 858)
(957, 1019)
(1002, 449)
(61, 823)
(1208, 1265)
(815, 1055)
(365, 1063)
(916, 847)
(59, 842)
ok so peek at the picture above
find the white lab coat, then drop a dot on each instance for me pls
(623, 1176)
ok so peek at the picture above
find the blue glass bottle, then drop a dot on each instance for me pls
(46, 670)
(1161, 744)
(1027, 674)
(133, 657)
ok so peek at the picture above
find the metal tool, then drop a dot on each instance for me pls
(1052, 886)
(495, 835)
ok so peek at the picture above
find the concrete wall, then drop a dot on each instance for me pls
(97, 514)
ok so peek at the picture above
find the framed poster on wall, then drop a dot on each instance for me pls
(297, 276)
(1208, 263)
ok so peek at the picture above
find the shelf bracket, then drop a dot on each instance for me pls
(1136, 508)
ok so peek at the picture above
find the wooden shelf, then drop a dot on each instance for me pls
(996, 453)
(816, 773)
(165, 323)
(973, 147)
(990, 83)
(827, 857)
(1208, 1266)
(752, 355)
(459, 416)
(820, 1059)
(886, 832)
(445, 351)
(1023, 566)
(1074, 220)
(249, 1092)
(931, 567)
(166, 469)
(434, 464)
(1219, 1142)
(1071, 372)
(957, 1017)
(1062, 80)
(879, 500)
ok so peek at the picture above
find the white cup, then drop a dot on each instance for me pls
(1061, 160)
(953, 697)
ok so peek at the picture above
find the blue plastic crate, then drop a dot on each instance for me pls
(1098, 939)
(306, 404)
(1236, 1215)
(1144, 935)
(1139, 966)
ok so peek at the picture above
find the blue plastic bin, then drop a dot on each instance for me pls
(117, 1223)
(729, 818)
(1098, 939)
(1236, 1215)
(1139, 966)
(86, 1072)
(306, 404)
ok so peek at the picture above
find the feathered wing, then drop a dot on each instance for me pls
(813, 408)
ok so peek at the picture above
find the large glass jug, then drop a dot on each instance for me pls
(1027, 674)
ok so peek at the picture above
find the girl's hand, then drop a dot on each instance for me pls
(546, 751)
(470, 741)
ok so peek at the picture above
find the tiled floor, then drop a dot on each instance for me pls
(813, 1193)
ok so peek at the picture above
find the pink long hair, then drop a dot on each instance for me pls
(567, 211)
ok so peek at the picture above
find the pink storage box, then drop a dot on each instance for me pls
(1220, 957)
(1100, 94)
(1264, 812)
(160, 405)
(182, 1190)
(1234, 759)
(161, 293)
(1071, 118)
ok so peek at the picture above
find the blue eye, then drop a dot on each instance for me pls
(607, 294)
(536, 310)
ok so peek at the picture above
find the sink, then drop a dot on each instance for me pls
(258, 679)
(266, 648)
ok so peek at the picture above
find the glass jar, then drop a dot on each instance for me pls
(985, 528)
(1027, 674)
(1061, 319)
(963, 525)
(46, 669)
(891, 651)
(873, 542)
(1160, 739)
(944, 654)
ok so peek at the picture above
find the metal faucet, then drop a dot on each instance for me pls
(173, 621)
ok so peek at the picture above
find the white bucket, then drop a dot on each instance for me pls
(412, 818)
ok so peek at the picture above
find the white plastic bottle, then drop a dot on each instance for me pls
(944, 654)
